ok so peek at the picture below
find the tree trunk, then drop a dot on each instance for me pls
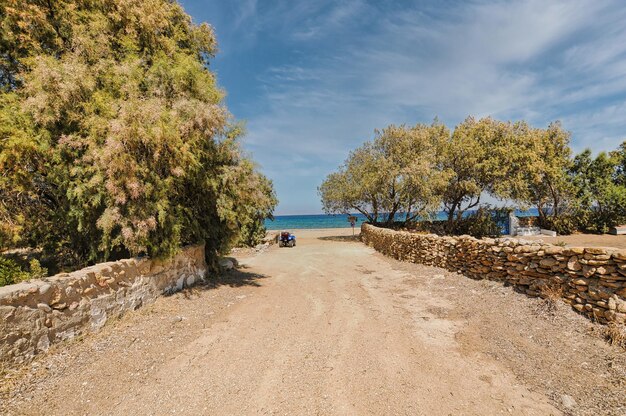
(392, 214)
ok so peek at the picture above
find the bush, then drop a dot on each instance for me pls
(36, 271)
(480, 223)
(11, 272)
(563, 225)
(602, 220)
(484, 222)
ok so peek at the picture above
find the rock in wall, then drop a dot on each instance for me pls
(591, 279)
(38, 313)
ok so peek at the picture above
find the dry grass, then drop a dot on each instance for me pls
(552, 297)
(615, 334)
(9, 375)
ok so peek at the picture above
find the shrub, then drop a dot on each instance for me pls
(563, 225)
(552, 295)
(11, 272)
(484, 222)
(36, 271)
(615, 334)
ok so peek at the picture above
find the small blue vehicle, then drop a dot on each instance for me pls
(287, 239)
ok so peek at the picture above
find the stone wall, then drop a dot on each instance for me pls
(592, 279)
(38, 313)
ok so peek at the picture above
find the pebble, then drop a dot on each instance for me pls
(568, 401)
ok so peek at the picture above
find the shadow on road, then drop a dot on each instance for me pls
(342, 238)
(233, 278)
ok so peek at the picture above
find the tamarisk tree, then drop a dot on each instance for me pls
(114, 138)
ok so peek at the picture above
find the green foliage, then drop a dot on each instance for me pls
(414, 170)
(563, 224)
(113, 136)
(480, 223)
(483, 222)
(620, 157)
(245, 203)
(36, 271)
(397, 172)
(549, 187)
(11, 272)
(600, 189)
(511, 161)
(417, 170)
(470, 158)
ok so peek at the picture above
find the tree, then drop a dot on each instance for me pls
(397, 172)
(118, 141)
(356, 186)
(600, 194)
(620, 156)
(246, 200)
(549, 187)
(475, 156)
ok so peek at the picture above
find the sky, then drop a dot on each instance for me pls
(312, 80)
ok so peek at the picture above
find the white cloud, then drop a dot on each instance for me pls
(359, 66)
(246, 11)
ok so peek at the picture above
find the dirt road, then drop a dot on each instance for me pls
(329, 327)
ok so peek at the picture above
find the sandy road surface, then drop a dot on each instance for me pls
(327, 327)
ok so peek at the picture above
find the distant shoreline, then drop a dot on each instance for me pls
(358, 227)
(326, 221)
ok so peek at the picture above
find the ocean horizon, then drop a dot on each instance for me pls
(315, 221)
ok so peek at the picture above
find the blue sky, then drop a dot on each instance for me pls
(313, 79)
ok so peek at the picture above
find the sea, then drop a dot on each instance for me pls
(295, 222)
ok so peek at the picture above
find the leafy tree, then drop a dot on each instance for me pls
(247, 199)
(599, 192)
(620, 156)
(482, 157)
(545, 175)
(114, 138)
(356, 186)
(412, 170)
(397, 172)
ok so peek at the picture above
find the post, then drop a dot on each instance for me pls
(353, 221)
(513, 223)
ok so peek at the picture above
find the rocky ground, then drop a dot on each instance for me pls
(331, 327)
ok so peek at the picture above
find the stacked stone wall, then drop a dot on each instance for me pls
(592, 279)
(38, 313)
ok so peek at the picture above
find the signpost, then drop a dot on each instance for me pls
(353, 221)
